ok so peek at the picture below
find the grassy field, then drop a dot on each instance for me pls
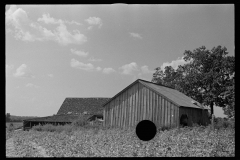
(81, 142)
(15, 124)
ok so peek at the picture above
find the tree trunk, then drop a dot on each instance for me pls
(211, 106)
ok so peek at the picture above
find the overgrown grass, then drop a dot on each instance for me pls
(185, 142)
(81, 139)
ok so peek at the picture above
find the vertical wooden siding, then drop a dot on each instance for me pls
(140, 103)
(194, 115)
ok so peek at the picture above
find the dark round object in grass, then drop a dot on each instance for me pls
(146, 130)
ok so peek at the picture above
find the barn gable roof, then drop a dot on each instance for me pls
(81, 105)
(169, 93)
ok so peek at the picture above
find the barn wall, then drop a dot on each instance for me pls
(140, 103)
(195, 115)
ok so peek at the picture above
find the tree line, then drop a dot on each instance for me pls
(208, 76)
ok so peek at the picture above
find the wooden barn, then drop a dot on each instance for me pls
(143, 100)
(71, 109)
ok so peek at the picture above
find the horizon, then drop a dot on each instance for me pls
(54, 52)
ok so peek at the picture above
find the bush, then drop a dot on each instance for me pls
(37, 128)
(11, 127)
(164, 128)
(80, 122)
(220, 123)
(51, 128)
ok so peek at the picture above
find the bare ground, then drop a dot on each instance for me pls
(10, 149)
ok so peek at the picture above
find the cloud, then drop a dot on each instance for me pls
(98, 68)
(128, 69)
(32, 85)
(108, 70)
(50, 75)
(145, 70)
(18, 18)
(92, 59)
(87, 67)
(79, 53)
(136, 35)
(60, 35)
(174, 63)
(23, 71)
(50, 20)
(64, 37)
(94, 21)
(27, 30)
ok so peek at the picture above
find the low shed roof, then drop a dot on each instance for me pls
(57, 118)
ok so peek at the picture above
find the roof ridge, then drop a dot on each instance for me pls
(157, 84)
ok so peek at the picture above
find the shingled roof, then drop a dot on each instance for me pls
(173, 95)
(81, 105)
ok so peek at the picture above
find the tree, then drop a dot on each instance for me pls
(8, 119)
(207, 77)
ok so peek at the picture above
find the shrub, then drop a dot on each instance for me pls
(164, 128)
(80, 122)
(220, 123)
(11, 127)
(37, 128)
(49, 127)
(67, 128)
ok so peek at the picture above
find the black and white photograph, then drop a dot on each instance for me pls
(120, 80)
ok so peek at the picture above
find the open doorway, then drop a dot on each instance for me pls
(184, 120)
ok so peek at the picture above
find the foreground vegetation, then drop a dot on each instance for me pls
(87, 141)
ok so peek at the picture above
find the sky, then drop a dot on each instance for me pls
(58, 51)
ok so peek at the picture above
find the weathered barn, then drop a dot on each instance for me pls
(143, 100)
(69, 111)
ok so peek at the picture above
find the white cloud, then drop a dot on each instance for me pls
(73, 22)
(27, 30)
(174, 63)
(18, 18)
(94, 21)
(32, 85)
(64, 37)
(108, 70)
(23, 71)
(145, 70)
(79, 53)
(136, 35)
(94, 60)
(50, 20)
(50, 75)
(98, 68)
(87, 67)
(128, 69)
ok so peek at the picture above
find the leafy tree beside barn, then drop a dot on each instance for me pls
(208, 77)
